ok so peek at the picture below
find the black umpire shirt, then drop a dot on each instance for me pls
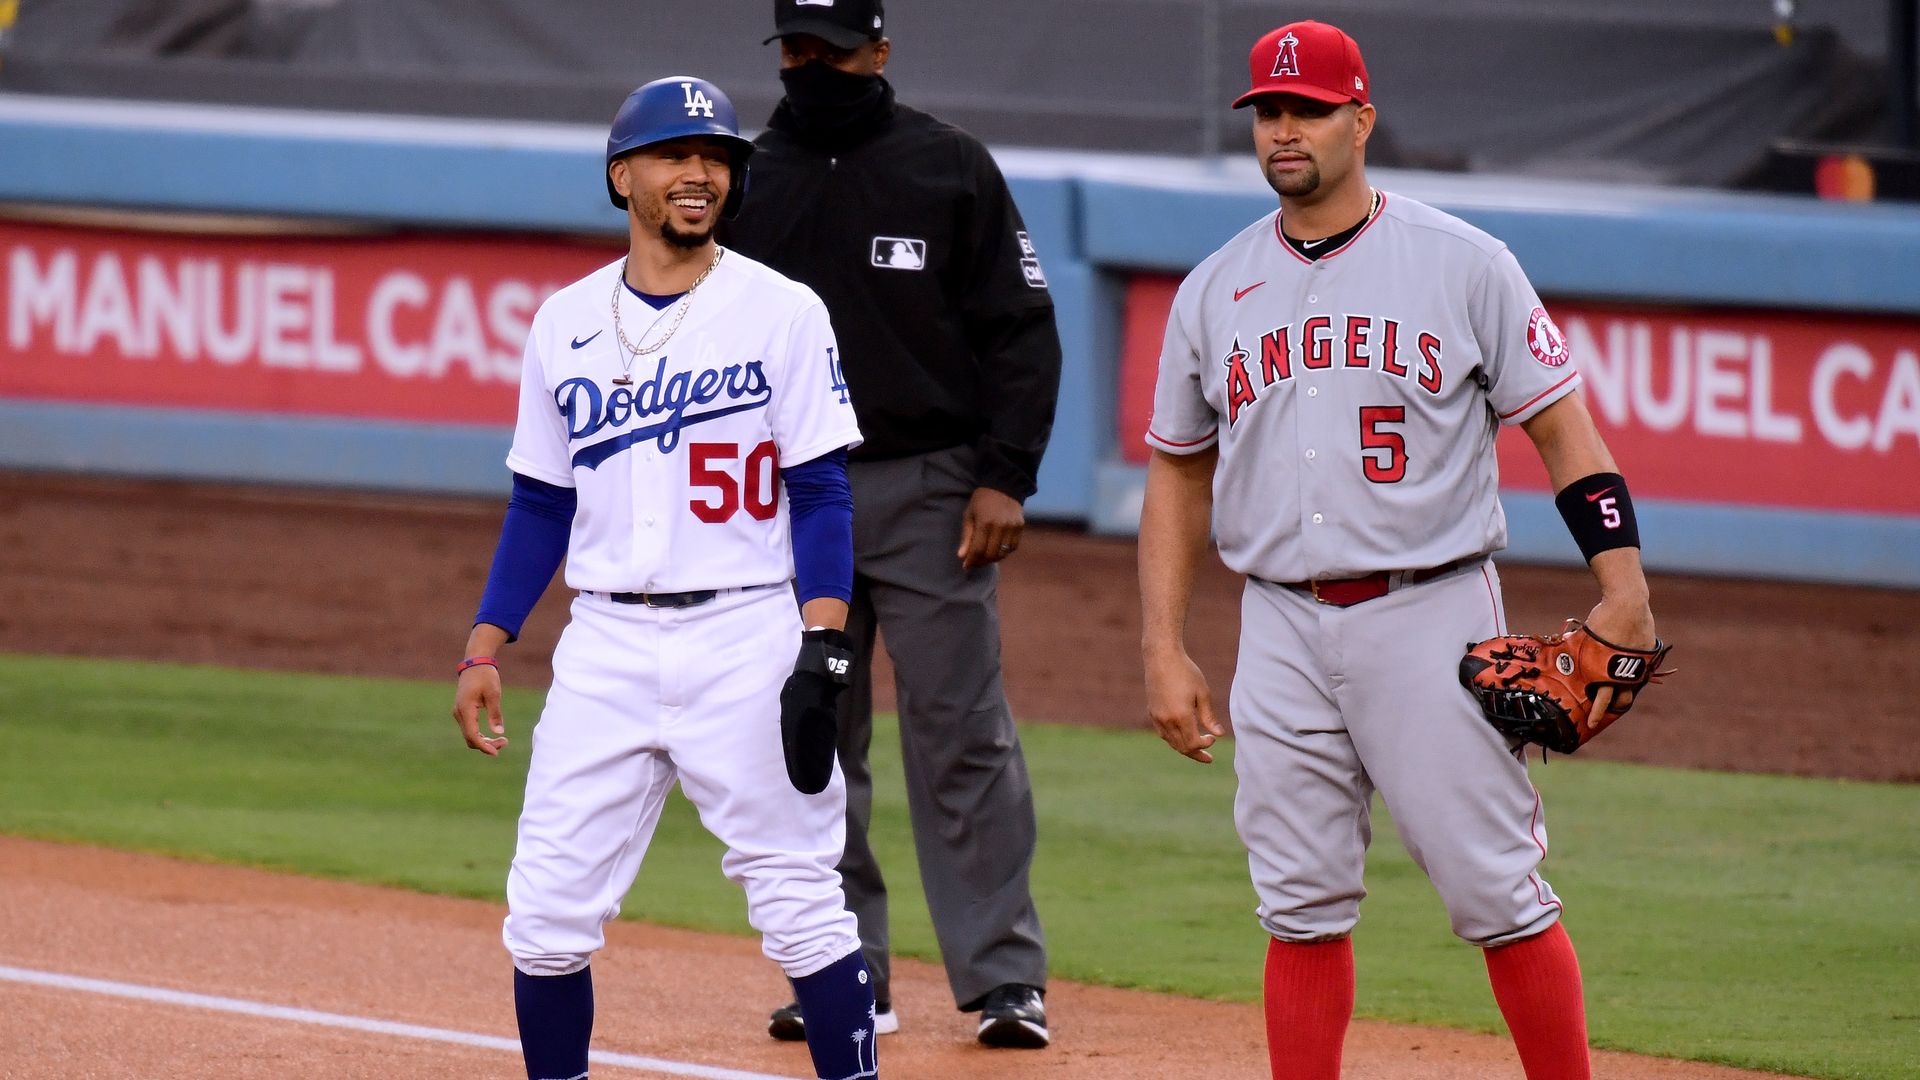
(907, 232)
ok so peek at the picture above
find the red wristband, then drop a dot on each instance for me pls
(477, 661)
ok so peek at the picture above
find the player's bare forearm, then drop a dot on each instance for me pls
(478, 691)
(1624, 615)
(485, 640)
(1571, 447)
(1175, 521)
(1176, 517)
(827, 611)
(1568, 442)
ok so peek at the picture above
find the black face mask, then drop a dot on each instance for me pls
(829, 106)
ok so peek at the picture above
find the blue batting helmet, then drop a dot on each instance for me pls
(677, 107)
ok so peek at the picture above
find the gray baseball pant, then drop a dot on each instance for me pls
(968, 792)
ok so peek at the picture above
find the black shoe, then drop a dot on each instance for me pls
(786, 1023)
(1014, 1017)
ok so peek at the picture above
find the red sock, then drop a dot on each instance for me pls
(1536, 980)
(1309, 1002)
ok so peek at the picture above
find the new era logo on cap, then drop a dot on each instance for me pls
(1310, 59)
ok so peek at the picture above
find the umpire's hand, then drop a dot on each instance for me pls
(992, 528)
(809, 729)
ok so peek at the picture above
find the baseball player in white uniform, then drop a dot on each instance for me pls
(681, 442)
(1329, 391)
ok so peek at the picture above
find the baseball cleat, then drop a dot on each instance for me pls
(1014, 1017)
(787, 1025)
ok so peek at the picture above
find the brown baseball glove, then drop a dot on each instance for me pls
(1541, 689)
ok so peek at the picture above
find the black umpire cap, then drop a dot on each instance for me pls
(843, 24)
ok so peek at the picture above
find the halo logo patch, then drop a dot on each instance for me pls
(1549, 345)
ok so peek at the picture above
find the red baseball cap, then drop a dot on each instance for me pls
(1310, 59)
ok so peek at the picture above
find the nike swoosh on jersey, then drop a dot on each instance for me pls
(1238, 293)
(579, 344)
(1314, 243)
(1598, 495)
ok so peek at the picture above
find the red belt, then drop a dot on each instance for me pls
(1346, 592)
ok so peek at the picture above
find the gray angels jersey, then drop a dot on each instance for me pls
(1355, 398)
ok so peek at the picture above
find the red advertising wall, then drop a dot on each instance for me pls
(422, 328)
(1790, 410)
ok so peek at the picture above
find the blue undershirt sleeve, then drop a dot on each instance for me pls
(533, 542)
(820, 516)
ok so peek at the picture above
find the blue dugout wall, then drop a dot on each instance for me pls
(1094, 219)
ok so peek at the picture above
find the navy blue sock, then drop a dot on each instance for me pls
(556, 1022)
(837, 1002)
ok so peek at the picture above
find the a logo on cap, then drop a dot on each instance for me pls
(1287, 61)
(697, 103)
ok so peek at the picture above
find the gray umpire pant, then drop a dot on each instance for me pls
(967, 787)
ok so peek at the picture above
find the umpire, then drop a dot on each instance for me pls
(905, 228)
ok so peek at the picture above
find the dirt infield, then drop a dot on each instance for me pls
(385, 585)
(698, 999)
(375, 585)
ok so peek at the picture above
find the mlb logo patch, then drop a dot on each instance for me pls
(1030, 262)
(899, 253)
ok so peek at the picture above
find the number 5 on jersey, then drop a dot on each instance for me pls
(1383, 454)
(710, 466)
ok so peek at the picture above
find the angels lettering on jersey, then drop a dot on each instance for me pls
(1356, 344)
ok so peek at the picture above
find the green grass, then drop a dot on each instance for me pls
(1756, 921)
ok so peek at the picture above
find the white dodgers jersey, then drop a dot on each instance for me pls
(1356, 397)
(678, 470)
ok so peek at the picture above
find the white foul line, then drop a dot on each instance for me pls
(353, 1023)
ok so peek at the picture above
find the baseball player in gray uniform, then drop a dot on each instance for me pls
(1329, 391)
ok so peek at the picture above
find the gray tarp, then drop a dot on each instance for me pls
(1683, 91)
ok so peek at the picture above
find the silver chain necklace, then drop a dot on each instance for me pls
(633, 351)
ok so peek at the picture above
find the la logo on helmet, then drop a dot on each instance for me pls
(1287, 61)
(697, 103)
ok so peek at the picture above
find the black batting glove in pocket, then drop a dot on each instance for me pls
(808, 727)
